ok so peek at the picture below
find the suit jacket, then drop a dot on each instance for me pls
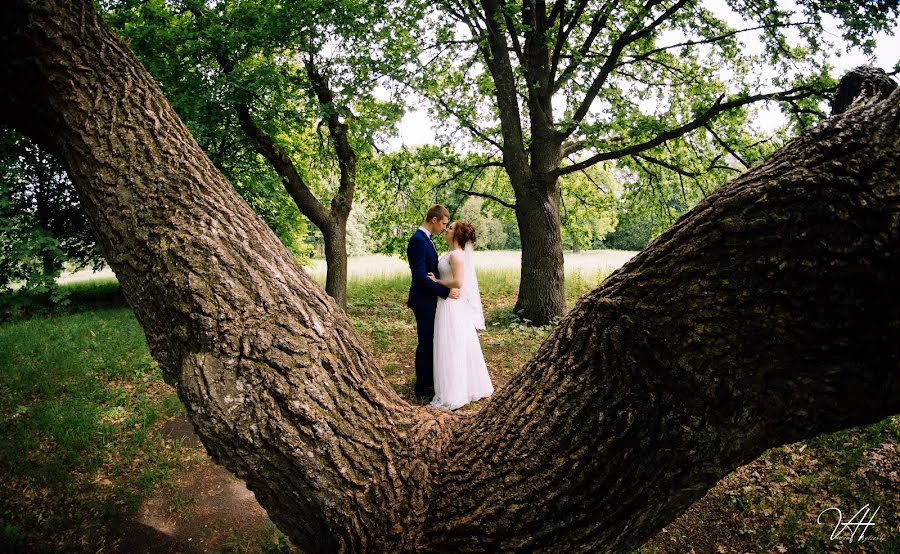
(423, 258)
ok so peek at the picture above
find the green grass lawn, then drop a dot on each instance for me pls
(82, 403)
(79, 399)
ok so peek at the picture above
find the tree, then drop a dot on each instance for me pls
(767, 299)
(489, 231)
(42, 225)
(277, 76)
(662, 87)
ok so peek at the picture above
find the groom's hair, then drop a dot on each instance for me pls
(464, 233)
(437, 211)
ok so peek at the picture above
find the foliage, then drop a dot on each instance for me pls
(212, 58)
(666, 66)
(588, 206)
(403, 184)
(359, 236)
(360, 239)
(399, 187)
(634, 230)
(489, 231)
(42, 226)
(262, 189)
(665, 91)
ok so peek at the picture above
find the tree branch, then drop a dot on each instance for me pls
(589, 178)
(667, 165)
(711, 40)
(487, 196)
(470, 126)
(598, 23)
(717, 108)
(626, 38)
(303, 197)
(342, 202)
(499, 65)
(513, 35)
(725, 145)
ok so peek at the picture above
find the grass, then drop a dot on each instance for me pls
(76, 294)
(772, 504)
(79, 399)
(81, 405)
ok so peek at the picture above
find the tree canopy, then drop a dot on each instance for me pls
(662, 87)
(288, 86)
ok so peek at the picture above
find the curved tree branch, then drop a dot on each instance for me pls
(339, 132)
(281, 161)
(718, 107)
(718, 377)
(488, 196)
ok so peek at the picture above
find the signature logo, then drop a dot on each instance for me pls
(859, 523)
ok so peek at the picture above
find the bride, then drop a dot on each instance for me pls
(460, 374)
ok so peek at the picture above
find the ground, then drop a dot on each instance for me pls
(132, 477)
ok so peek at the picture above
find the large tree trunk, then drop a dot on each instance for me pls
(542, 295)
(767, 314)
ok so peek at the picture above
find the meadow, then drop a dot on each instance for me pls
(83, 410)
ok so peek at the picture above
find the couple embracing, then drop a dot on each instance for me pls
(444, 297)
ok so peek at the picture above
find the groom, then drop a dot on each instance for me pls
(423, 292)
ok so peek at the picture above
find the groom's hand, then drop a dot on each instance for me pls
(454, 294)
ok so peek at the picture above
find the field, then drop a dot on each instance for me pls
(98, 456)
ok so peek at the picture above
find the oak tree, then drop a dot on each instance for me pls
(765, 315)
(660, 87)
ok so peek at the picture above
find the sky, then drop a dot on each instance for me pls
(416, 127)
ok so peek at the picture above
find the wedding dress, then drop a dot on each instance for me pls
(460, 374)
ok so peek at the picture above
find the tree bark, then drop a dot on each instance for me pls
(861, 83)
(542, 295)
(765, 315)
(335, 237)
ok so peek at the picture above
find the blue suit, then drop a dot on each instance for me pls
(423, 295)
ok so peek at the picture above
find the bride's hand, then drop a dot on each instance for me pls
(432, 277)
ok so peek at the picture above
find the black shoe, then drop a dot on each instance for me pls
(427, 392)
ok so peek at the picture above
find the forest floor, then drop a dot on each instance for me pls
(99, 456)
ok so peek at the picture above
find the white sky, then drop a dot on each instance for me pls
(416, 127)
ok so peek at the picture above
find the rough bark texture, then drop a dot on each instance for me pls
(768, 314)
(335, 237)
(270, 370)
(861, 83)
(541, 280)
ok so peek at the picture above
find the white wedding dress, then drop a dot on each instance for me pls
(460, 374)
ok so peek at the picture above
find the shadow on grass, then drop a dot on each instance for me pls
(69, 298)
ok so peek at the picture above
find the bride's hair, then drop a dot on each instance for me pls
(463, 233)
